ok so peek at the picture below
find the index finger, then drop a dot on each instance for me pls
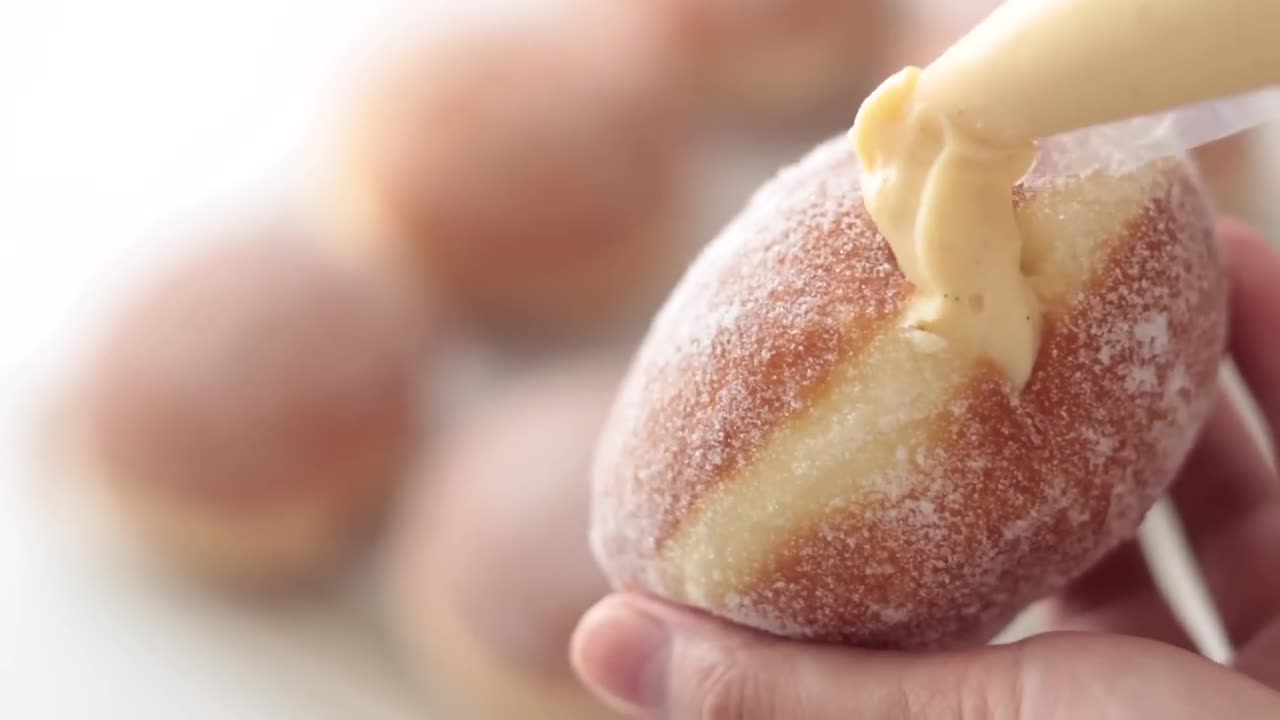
(1228, 495)
(1254, 340)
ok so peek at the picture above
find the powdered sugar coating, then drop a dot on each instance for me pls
(755, 327)
(987, 501)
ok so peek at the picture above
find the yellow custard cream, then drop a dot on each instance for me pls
(941, 148)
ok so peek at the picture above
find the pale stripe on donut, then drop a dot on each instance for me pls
(879, 408)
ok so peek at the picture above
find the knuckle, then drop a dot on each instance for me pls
(720, 689)
(994, 689)
(989, 688)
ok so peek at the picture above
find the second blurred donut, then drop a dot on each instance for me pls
(490, 565)
(529, 175)
(777, 61)
(921, 30)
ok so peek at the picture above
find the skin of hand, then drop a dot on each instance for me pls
(1114, 649)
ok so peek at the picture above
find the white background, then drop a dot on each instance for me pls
(123, 123)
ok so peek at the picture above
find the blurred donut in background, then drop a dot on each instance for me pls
(530, 175)
(777, 61)
(252, 410)
(921, 30)
(490, 568)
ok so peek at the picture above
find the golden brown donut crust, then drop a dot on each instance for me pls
(774, 459)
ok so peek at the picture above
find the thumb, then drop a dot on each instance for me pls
(649, 659)
(653, 660)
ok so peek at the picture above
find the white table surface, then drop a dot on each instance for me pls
(121, 124)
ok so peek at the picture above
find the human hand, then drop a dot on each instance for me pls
(1118, 652)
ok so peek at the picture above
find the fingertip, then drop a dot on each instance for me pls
(1232, 227)
(620, 650)
(1249, 256)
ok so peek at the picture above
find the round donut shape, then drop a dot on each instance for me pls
(254, 406)
(529, 176)
(785, 454)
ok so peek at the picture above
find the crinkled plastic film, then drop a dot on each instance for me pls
(1129, 144)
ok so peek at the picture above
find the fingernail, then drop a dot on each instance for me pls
(622, 652)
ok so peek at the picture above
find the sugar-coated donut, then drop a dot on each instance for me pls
(530, 176)
(776, 59)
(490, 569)
(254, 407)
(785, 454)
